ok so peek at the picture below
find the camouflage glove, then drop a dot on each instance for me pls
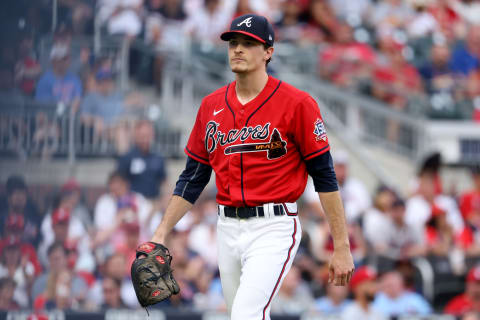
(152, 276)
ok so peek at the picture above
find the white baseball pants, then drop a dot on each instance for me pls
(254, 256)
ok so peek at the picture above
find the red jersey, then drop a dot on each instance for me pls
(459, 305)
(258, 150)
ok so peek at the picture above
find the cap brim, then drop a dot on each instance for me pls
(226, 36)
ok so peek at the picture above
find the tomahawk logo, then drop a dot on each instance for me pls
(247, 22)
(275, 148)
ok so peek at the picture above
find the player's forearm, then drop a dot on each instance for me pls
(332, 205)
(176, 209)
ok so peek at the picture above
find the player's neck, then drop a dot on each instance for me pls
(250, 85)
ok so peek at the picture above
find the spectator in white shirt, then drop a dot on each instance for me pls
(209, 21)
(121, 16)
(419, 207)
(355, 196)
(118, 207)
(376, 218)
(397, 239)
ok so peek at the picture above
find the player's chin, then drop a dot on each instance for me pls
(238, 69)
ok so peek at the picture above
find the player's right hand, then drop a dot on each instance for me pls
(341, 268)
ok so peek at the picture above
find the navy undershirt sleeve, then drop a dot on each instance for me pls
(321, 170)
(193, 180)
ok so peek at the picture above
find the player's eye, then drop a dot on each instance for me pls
(233, 43)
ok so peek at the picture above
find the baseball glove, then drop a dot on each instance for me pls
(152, 276)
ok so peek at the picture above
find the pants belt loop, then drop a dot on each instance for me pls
(221, 211)
(266, 212)
(270, 209)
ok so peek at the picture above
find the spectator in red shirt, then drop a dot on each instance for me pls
(14, 226)
(439, 233)
(27, 68)
(470, 201)
(470, 300)
(346, 62)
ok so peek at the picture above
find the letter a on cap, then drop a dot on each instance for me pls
(247, 22)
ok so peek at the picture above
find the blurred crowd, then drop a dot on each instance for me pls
(407, 53)
(421, 56)
(76, 255)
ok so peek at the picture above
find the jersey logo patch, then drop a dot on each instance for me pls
(275, 148)
(320, 132)
(215, 112)
(247, 22)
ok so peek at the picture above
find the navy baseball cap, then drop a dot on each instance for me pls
(252, 25)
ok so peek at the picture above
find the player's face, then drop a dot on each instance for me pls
(246, 54)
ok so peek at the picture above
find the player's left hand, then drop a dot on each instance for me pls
(341, 268)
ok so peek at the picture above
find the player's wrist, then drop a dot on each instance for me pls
(342, 246)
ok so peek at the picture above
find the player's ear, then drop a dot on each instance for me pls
(269, 53)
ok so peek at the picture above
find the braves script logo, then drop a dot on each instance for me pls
(275, 148)
(320, 132)
(247, 22)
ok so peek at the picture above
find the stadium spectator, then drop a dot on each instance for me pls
(144, 168)
(439, 234)
(355, 12)
(364, 288)
(7, 289)
(27, 68)
(105, 109)
(14, 227)
(354, 194)
(346, 63)
(61, 226)
(294, 296)
(334, 302)
(423, 24)
(209, 295)
(118, 207)
(390, 16)
(122, 17)
(469, 11)
(17, 267)
(128, 248)
(77, 13)
(164, 28)
(202, 236)
(469, 301)
(209, 21)
(112, 294)
(62, 297)
(44, 286)
(438, 73)
(467, 238)
(465, 56)
(71, 193)
(398, 240)
(113, 268)
(420, 206)
(395, 300)
(289, 28)
(58, 84)
(470, 200)
(446, 18)
(321, 22)
(376, 218)
(471, 102)
(18, 204)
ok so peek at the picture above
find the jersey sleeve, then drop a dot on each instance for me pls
(309, 132)
(196, 143)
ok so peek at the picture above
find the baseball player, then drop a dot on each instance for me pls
(262, 137)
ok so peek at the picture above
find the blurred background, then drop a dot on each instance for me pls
(97, 100)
